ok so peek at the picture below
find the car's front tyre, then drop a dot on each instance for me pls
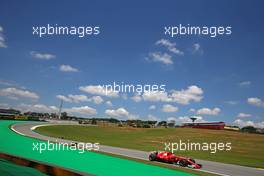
(183, 163)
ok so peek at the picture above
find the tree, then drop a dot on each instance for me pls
(249, 129)
(146, 126)
(64, 115)
(112, 120)
(94, 122)
(163, 123)
(171, 123)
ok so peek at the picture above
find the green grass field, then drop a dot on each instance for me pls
(247, 149)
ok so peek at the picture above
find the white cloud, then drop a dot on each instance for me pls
(2, 38)
(4, 105)
(99, 90)
(243, 115)
(152, 118)
(197, 49)
(255, 102)
(68, 68)
(80, 98)
(152, 107)
(97, 99)
(231, 102)
(73, 98)
(163, 58)
(192, 93)
(109, 103)
(136, 98)
(83, 110)
(16, 93)
(169, 108)
(124, 96)
(64, 98)
(42, 56)
(208, 111)
(170, 46)
(242, 123)
(245, 83)
(260, 124)
(120, 112)
(156, 96)
(184, 96)
(192, 110)
(7, 83)
(133, 117)
(37, 108)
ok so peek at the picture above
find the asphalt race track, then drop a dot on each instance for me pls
(208, 166)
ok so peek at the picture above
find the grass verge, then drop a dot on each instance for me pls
(247, 149)
(165, 165)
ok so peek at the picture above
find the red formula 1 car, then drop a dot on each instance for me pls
(169, 157)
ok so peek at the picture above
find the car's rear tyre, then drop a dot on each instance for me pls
(183, 163)
(152, 157)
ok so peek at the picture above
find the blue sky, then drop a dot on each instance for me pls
(227, 70)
